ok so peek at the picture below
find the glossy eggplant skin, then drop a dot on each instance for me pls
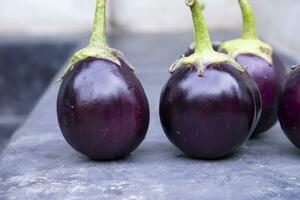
(102, 109)
(270, 80)
(257, 95)
(289, 107)
(208, 117)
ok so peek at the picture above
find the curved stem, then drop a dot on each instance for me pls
(99, 33)
(202, 39)
(249, 24)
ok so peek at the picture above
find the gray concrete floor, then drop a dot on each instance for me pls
(27, 65)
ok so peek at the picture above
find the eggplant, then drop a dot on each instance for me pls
(210, 105)
(289, 107)
(264, 66)
(102, 108)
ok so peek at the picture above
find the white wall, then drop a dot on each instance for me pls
(277, 19)
(170, 15)
(41, 17)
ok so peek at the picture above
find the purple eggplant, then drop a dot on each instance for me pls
(269, 79)
(102, 108)
(210, 104)
(289, 107)
(262, 64)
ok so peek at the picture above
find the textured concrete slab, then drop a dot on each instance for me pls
(27, 65)
(38, 163)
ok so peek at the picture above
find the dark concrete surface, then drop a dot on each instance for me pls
(38, 163)
(27, 65)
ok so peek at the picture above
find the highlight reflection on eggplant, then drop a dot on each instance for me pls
(102, 108)
(209, 106)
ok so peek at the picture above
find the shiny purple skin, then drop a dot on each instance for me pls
(270, 80)
(102, 109)
(289, 107)
(208, 117)
(255, 89)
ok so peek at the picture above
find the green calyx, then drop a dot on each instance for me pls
(97, 47)
(103, 52)
(248, 46)
(249, 43)
(203, 59)
(204, 54)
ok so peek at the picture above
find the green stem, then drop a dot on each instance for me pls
(98, 37)
(249, 25)
(202, 39)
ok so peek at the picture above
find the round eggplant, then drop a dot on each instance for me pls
(102, 108)
(209, 116)
(263, 65)
(210, 105)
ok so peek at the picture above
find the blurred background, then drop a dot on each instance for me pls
(37, 37)
(275, 18)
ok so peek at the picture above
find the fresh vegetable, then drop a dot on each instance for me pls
(262, 64)
(289, 107)
(102, 108)
(209, 106)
